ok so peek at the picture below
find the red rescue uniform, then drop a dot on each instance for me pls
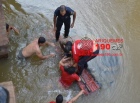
(52, 102)
(67, 79)
(78, 50)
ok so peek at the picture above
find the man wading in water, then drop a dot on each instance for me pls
(34, 47)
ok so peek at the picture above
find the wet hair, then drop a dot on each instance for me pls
(62, 8)
(41, 40)
(70, 70)
(59, 99)
(7, 27)
(68, 46)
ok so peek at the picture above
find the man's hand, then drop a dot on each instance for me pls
(49, 43)
(65, 58)
(81, 92)
(76, 97)
(52, 54)
(72, 25)
(52, 44)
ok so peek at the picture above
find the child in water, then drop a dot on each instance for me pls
(8, 28)
(59, 98)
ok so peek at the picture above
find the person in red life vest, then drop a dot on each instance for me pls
(82, 52)
(68, 73)
(59, 98)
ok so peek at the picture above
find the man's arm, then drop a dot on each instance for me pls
(55, 18)
(16, 30)
(76, 97)
(54, 22)
(62, 61)
(39, 54)
(49, 43)
(74, 17)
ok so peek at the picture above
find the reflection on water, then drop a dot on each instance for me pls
(36, 81)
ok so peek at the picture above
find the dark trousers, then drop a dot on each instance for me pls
(59, 25)
(82, 64)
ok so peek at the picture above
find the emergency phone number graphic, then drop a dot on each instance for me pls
(105, 44)
(101, 44)
(109, 46)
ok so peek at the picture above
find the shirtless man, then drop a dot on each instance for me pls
(34, 48)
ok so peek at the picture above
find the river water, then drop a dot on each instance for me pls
(36, 81)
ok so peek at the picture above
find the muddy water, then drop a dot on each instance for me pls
(37, 81)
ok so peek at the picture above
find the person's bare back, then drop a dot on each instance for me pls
(34, 48)
(30, 49)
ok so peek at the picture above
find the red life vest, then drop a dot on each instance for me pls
(67, 79)
(78, 50)
(52, 102)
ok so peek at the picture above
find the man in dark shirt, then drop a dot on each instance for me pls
(62, 15)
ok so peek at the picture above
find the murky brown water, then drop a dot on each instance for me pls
(37, 81)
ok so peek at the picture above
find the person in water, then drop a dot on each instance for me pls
(66, 47)
(66, 43)
(34, 48)
(79, 54)
(62, 15)
(68, 72)
(59, 98)
(8, 28)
